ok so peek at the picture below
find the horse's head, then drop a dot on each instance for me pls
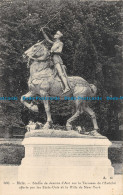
(37, 50)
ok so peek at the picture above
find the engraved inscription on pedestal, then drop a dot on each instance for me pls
(88, 155)
(68, 151)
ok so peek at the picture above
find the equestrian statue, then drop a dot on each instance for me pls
(48, 78)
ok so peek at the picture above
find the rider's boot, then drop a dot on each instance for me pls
(67, 88)
(63, 78)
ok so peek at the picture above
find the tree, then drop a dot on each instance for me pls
(92, 50)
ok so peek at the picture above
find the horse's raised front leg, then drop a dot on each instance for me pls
(31, 106)
(75, 116)
(49, 122)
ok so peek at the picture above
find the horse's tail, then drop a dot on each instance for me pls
(93, 89)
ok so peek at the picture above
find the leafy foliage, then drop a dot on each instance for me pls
(92, 50)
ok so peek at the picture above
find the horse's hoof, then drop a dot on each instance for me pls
(34, 108)
(79, 129)
(47, 125)
(68, 127)
(95, 133)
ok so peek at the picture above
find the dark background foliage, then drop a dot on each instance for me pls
(92, 49)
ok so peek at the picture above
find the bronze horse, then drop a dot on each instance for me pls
(44, 82)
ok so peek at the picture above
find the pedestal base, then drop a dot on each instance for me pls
(65, 158)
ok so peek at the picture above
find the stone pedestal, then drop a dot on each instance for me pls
(65, 157)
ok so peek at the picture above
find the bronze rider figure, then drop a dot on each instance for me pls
(56, 49)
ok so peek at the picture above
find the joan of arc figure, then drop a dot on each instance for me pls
(55, 51)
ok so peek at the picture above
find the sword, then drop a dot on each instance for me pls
(52, 18)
